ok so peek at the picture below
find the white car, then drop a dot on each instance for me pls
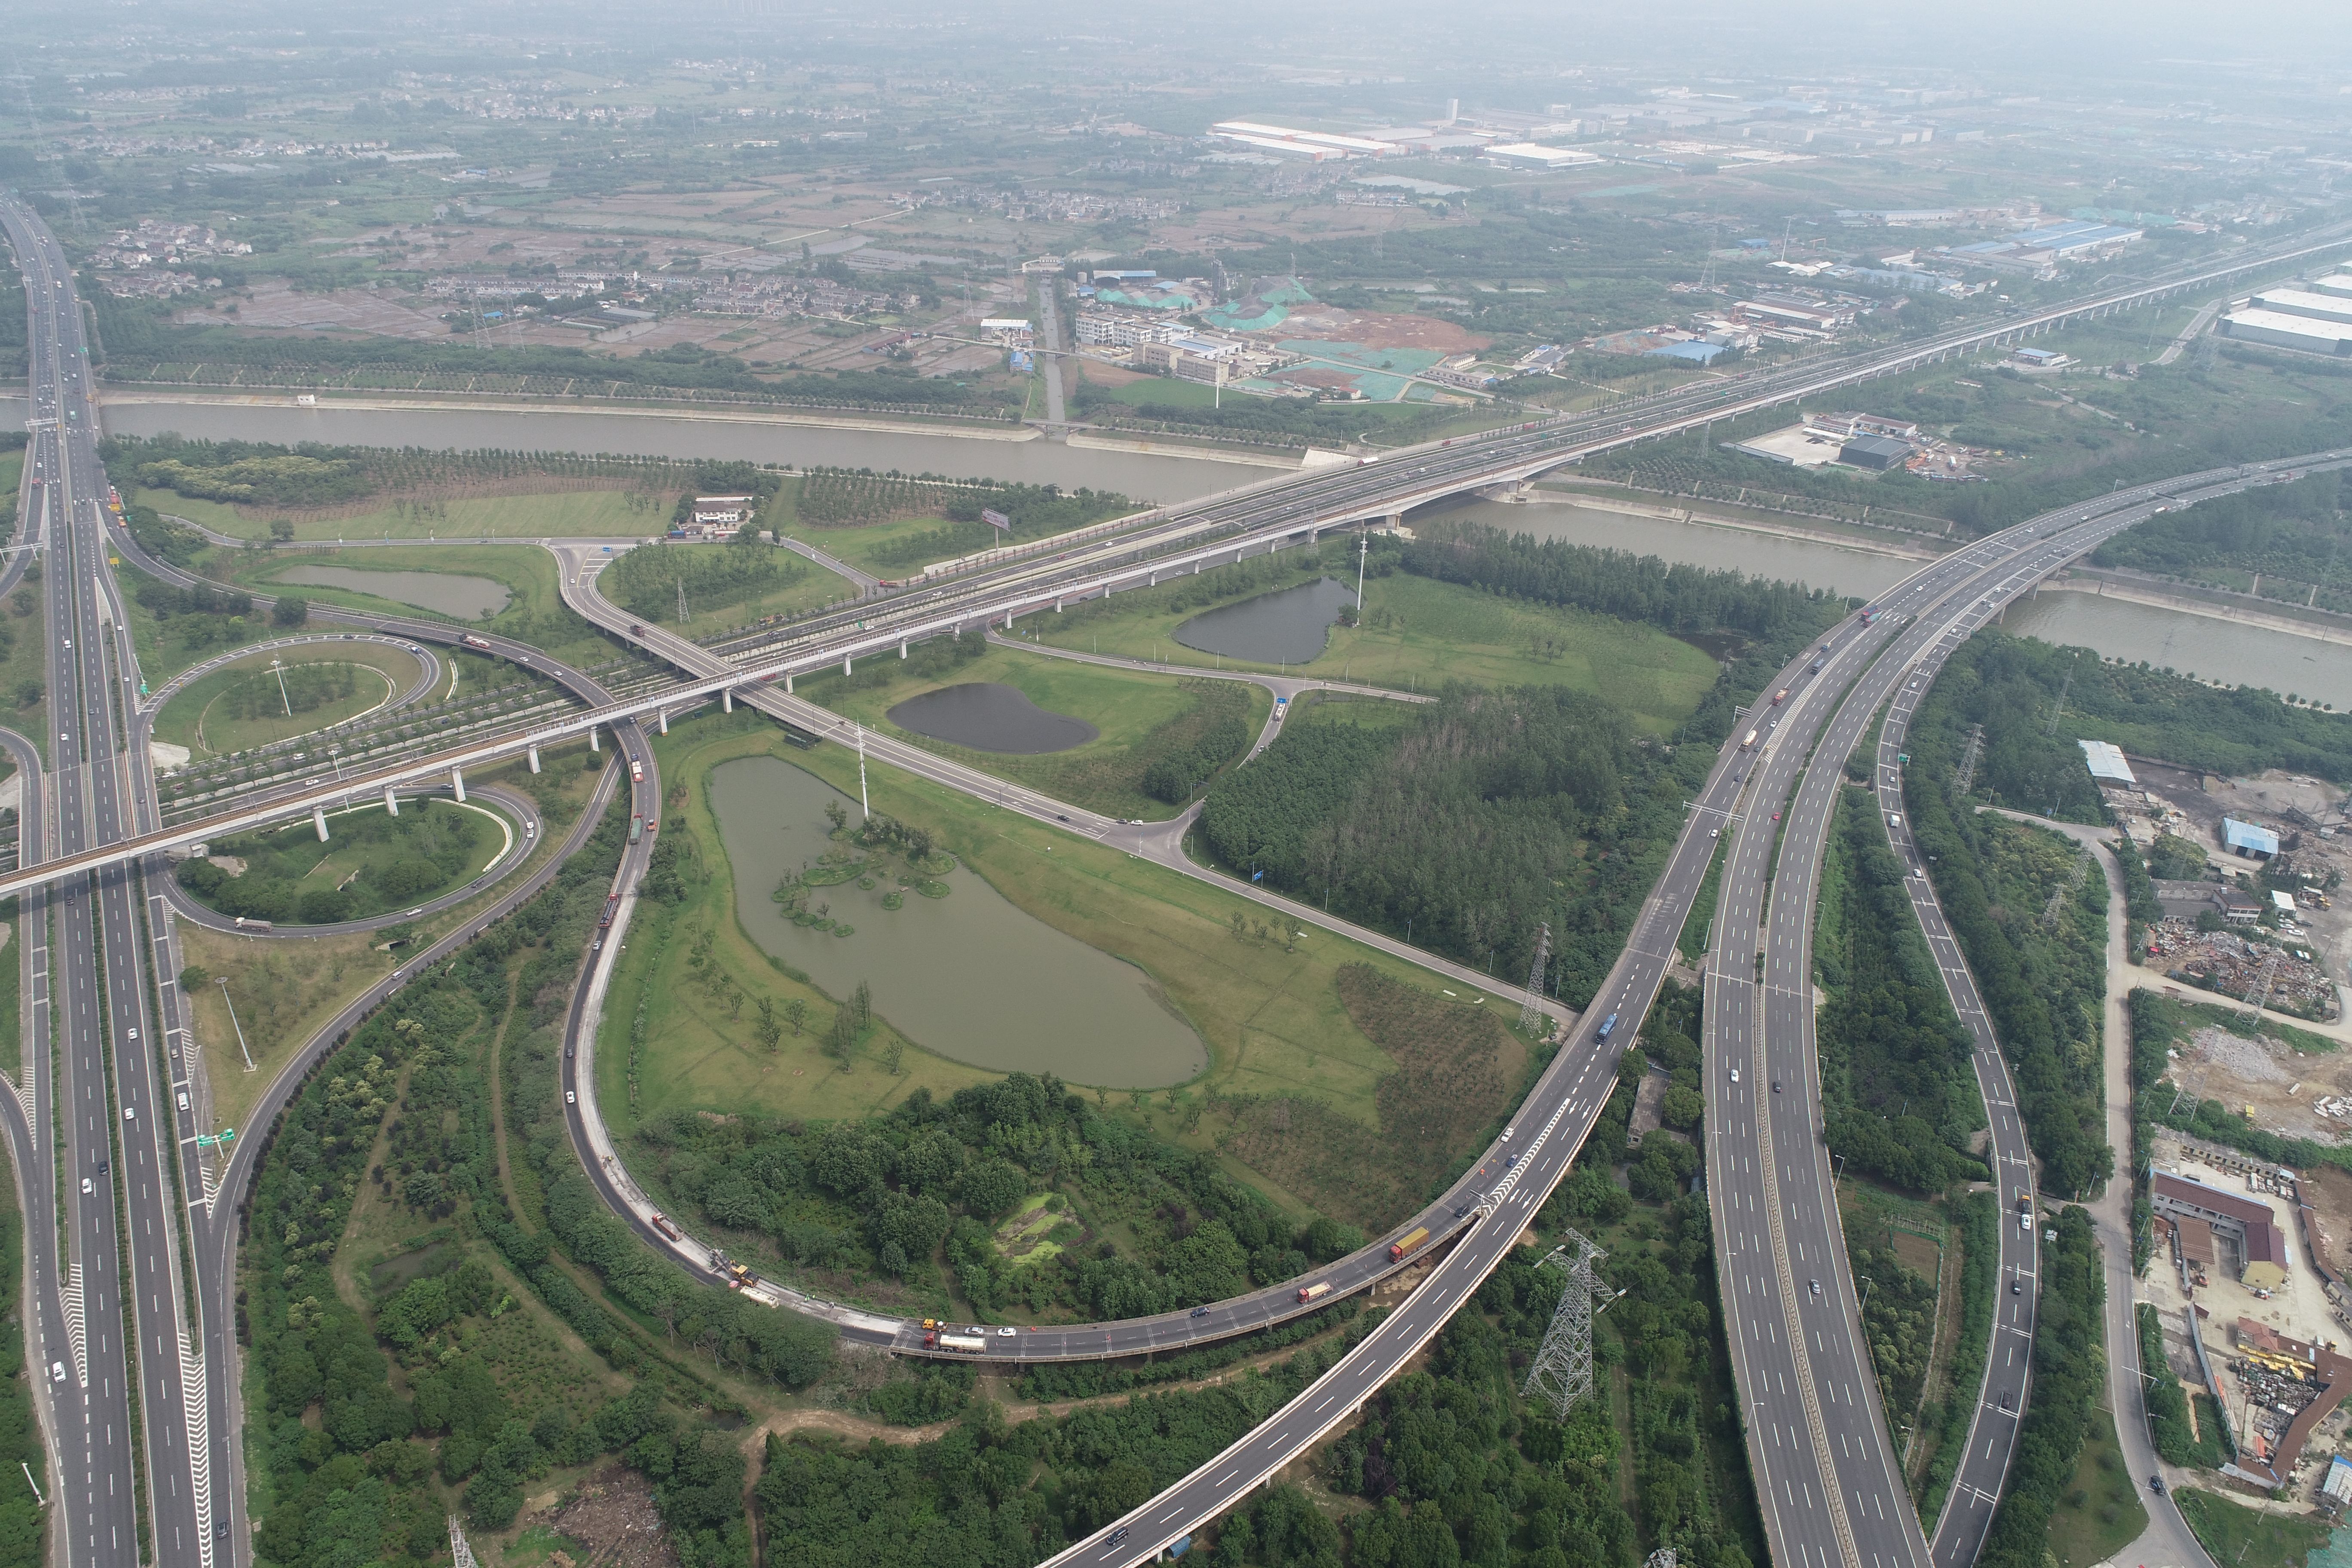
(129, 1113)
(56, 1371)
(85, 1188)
(1735, 1075)
(570, 1098)
(1004, 1333)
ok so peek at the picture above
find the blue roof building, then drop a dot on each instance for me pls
(2248, 839)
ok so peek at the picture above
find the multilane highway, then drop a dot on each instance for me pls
(128, 1352)
(1788, 1425)
(104, 800)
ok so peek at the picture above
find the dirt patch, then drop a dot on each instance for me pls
(1918, 1253)
(1378, 330)
(612, 1516)
(1455, 1067)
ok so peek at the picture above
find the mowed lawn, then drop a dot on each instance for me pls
(868, 546)
(197, 718)
(562, 514)
(1417, 633)
(1272, 1019)
(1101, 774)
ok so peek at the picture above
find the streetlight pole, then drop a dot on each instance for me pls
(239, 1027)
(279, 665)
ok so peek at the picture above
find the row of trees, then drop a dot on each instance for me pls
(1897, 1094)
(2069, 1385)
(2044, 983)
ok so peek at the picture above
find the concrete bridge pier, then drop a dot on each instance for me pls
(593, 744)
(661, 716)
(845, 664)
(1151, 580)
(534, 759)
(788, 683)
(391, 801)
(902, 641)
(727, 695)
(1058, 603)
(457, 782)
(319, 821)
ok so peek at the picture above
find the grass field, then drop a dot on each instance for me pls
(1139, 716)
(568, 514)
(2242, 1537)
(1419, 634)
(1270, 1012)
(364, 844)
(2101, 1513)
(196, 717)
(867, 545)
(534, 613)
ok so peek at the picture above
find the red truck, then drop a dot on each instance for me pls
(662, 1224)
(470, 640)
(1309, 1292)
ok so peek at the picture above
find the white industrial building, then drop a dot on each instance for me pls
(2315, 319)
(1530, 155)
(1283, 141)
(2106, 761)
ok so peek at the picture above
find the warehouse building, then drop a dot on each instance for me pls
(2248, 839)
(2305, 302)
(2106, 762)
(2238, 1223)
(1529, 155)
(1880, 452)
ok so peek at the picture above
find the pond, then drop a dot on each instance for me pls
(1288, 627)
(971, 976)
(466, 598)
(990, 715)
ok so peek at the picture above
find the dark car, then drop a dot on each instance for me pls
(1776, 1086)
(1200, 1312)
(2017, 1288)
(1463, 1210)
(1118, 1535)
(2156, 1485)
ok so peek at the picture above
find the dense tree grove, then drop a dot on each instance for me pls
(2069, 1385)
(425, 850)
(917, 1194)
(1456, 1468)
(1897, 1092)
(2043, 983)
(2012, 685)
(2293, 534)
(346, 1457)
(646, 581)
(1492, 811)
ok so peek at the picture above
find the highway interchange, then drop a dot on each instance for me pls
(103, 992)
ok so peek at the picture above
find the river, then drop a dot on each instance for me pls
(971, 976)
(2120, 631)
(2203, 646)
(1144, 476)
